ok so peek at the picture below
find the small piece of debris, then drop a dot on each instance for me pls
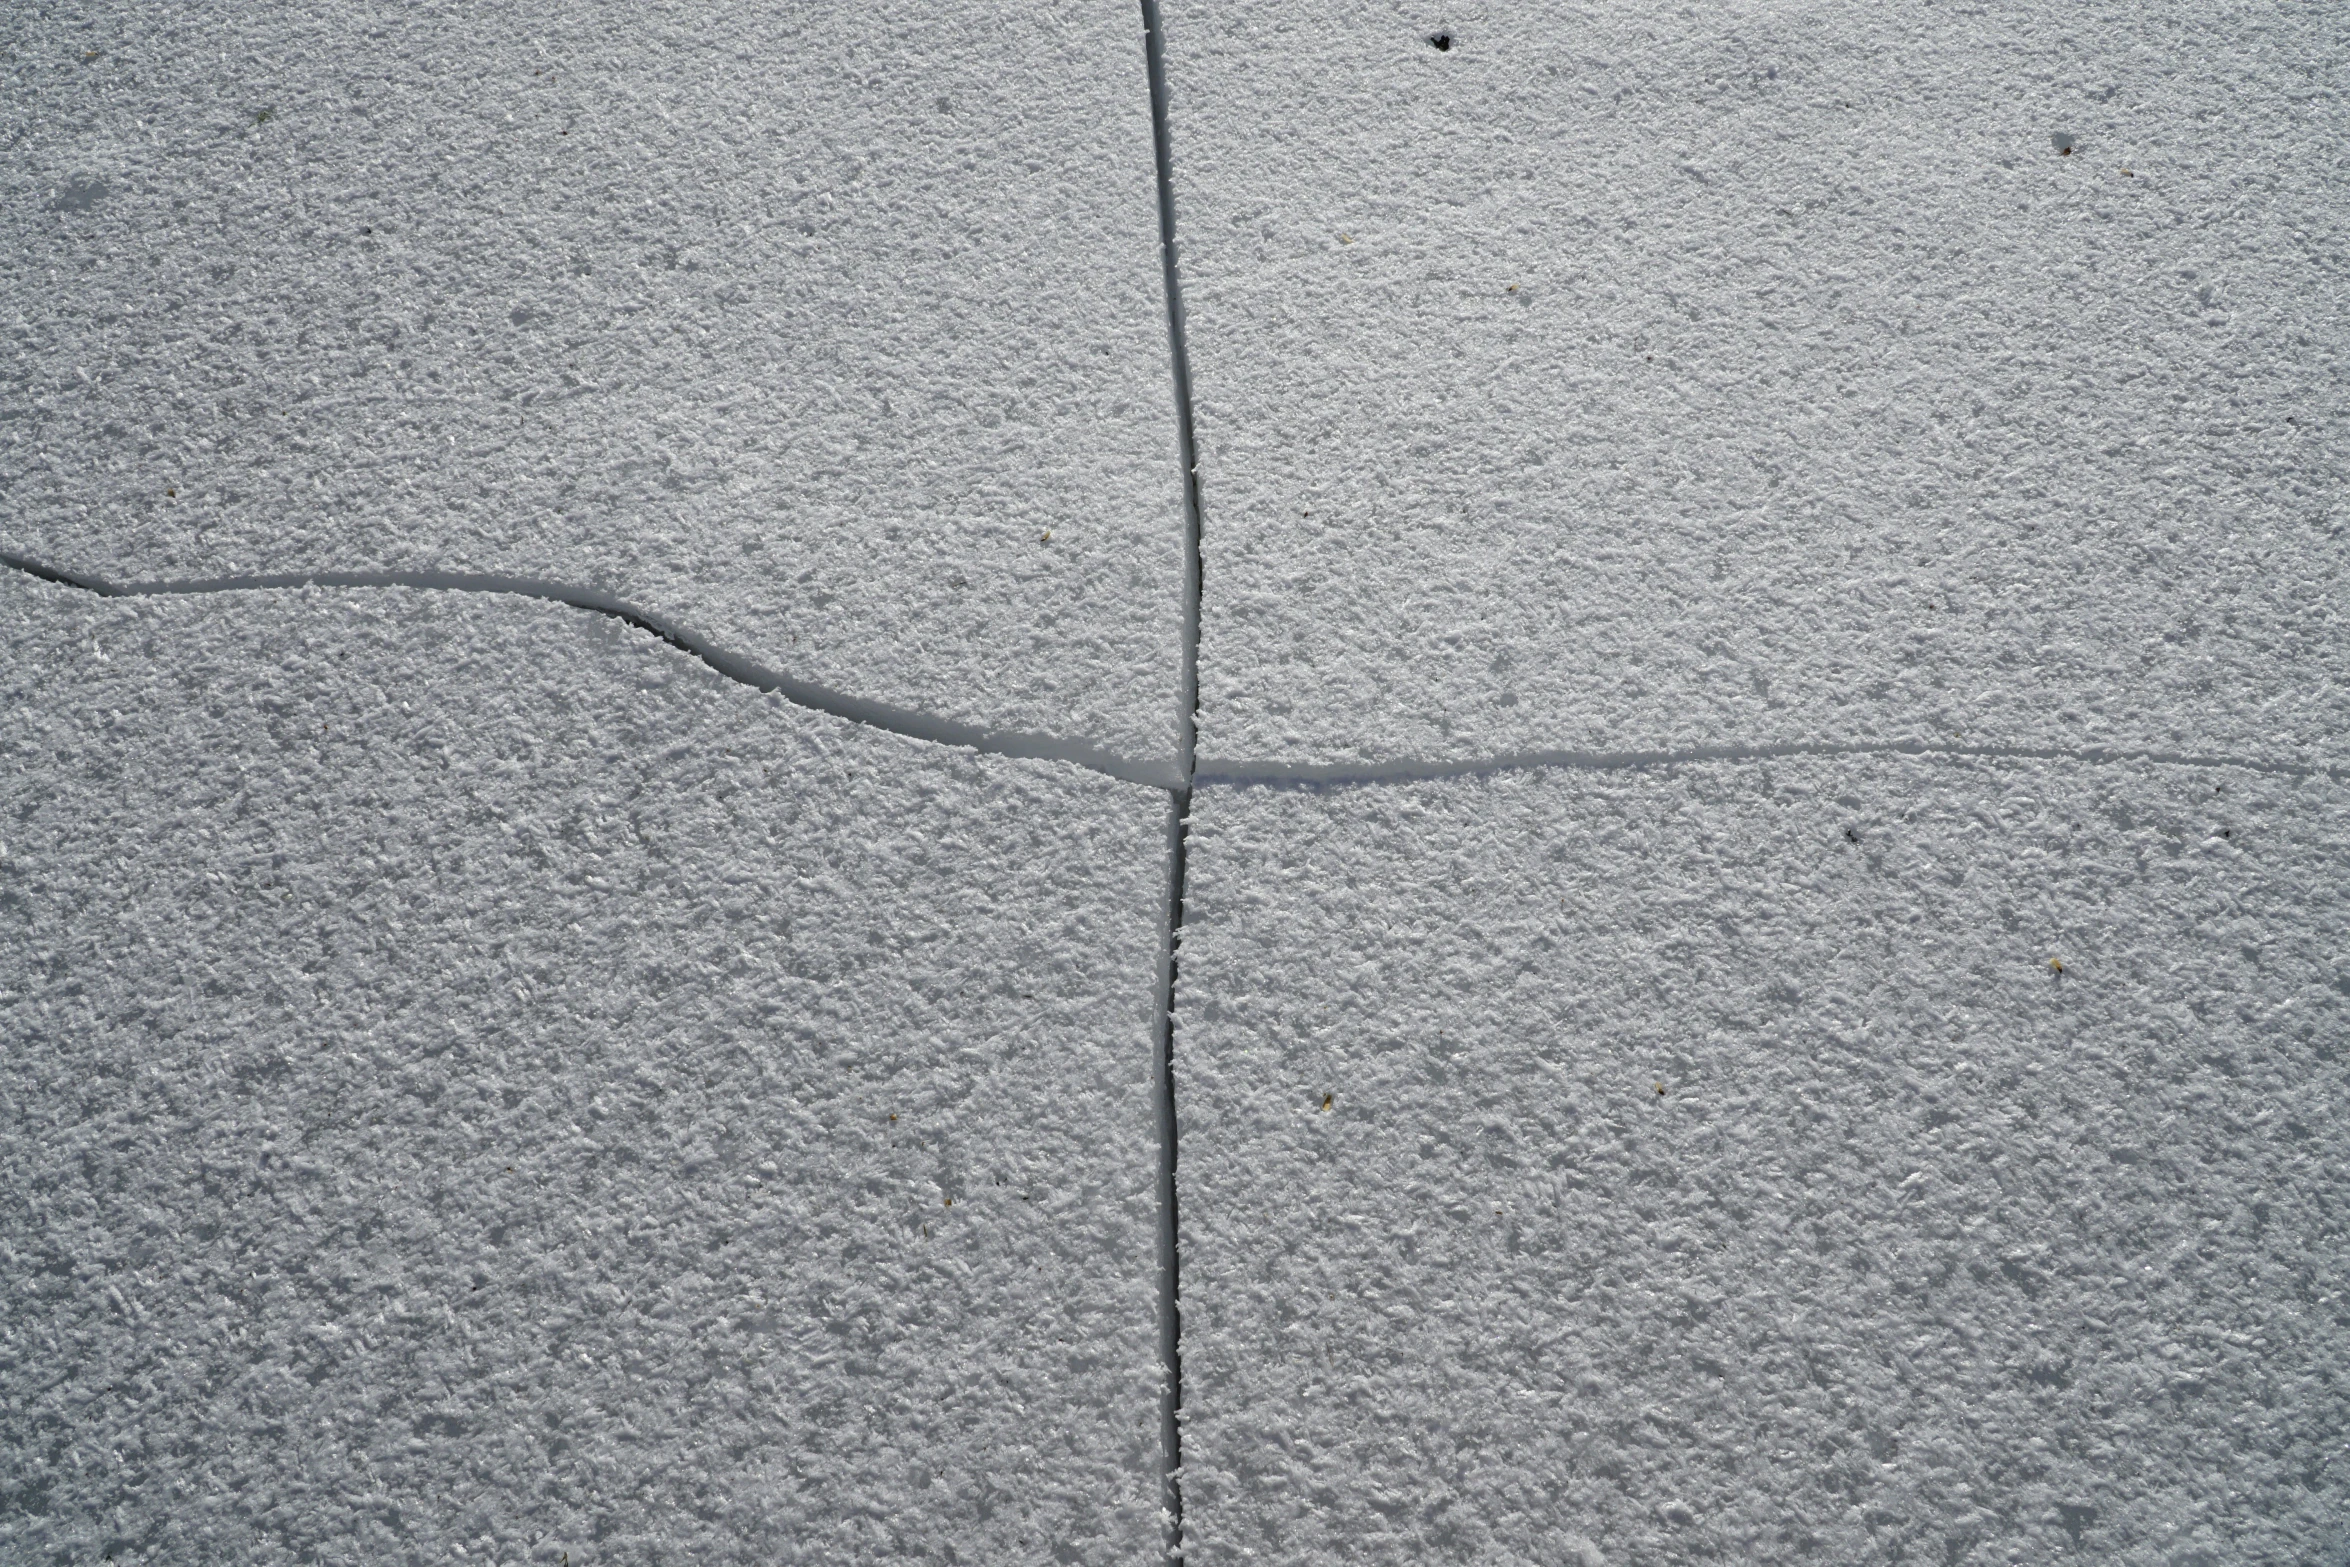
(2056, 965)
(1325, 1101)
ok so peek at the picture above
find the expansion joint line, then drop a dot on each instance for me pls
(1154, 47)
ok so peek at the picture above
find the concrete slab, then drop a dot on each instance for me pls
(481, 1084)
(832, 334)
(1609, 379)
(1712, 1163)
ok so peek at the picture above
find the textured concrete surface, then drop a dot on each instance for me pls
(1800, 1016)
(803, 326)
(1711, 1163)
(479, 1085)
(1620, 378)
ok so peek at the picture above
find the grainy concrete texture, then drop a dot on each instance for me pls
(480, 1085)
(1625, 377)
(1709, 1163)
(1764, 968)
(801, 325)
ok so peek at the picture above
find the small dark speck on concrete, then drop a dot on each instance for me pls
(1442, 41)
(79, 196)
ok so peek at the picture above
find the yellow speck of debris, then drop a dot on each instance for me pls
(1046, 537)
(2057, 964)
(1346, 239)
(1325, 1101)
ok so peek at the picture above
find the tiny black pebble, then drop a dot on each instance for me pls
(1442, 41)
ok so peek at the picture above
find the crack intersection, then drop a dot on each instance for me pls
(1178, 776)
(1154, 45)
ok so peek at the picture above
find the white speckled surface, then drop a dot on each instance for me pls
(801, 326)
(1624, 378)
(475, 1079)
(1761, 551)
(1924, 1252)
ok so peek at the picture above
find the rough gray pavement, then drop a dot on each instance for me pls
(481, 1085)
(1619, 379)
(1712, 1163)
(832, 333)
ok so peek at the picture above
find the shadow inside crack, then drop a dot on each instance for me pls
(802, 693)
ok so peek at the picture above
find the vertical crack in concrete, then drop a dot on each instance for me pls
(1154, 44)
(1163, 1073)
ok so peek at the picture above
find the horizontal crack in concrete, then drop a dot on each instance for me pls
(1166, 775)
(1351, 774)
(803, 693)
